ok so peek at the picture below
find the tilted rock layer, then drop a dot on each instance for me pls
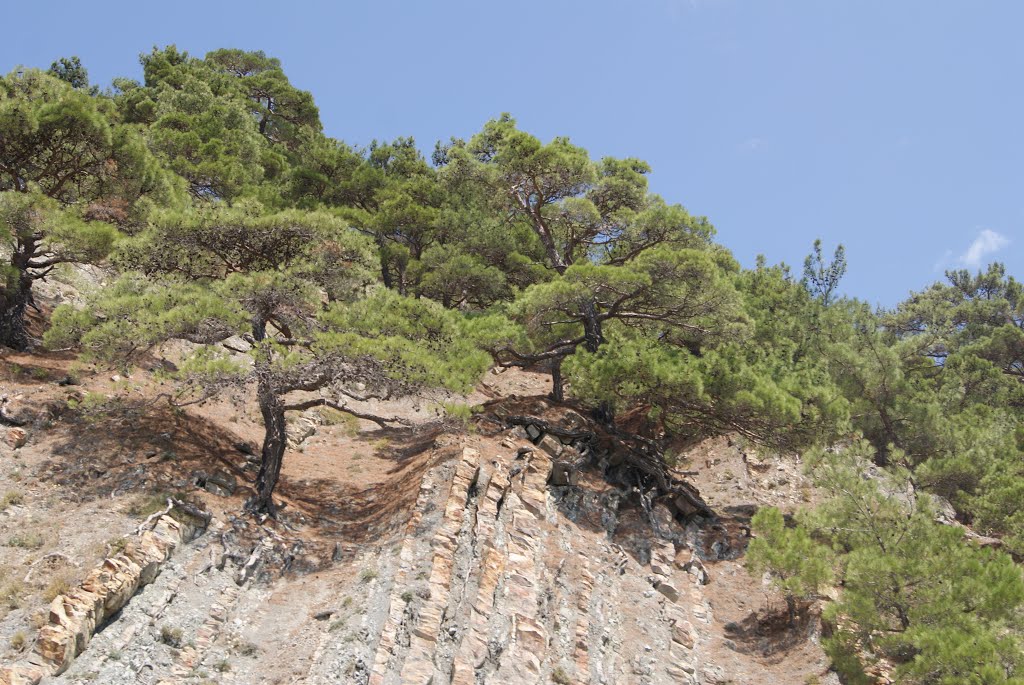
(496, 585)
(74, 617)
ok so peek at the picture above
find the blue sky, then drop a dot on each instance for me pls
(896, 128)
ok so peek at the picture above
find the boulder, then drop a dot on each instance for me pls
(219, 482)
(682, 633)
(944, 511)
(696, 569)
(551, 445)
(23, 674)
(521, 433)
(662, 555)
(984, 540)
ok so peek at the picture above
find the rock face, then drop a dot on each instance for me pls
(74, 617)
(503, 588)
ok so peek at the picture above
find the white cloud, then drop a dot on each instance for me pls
(988, 242)
(942, 261)
(752, 144)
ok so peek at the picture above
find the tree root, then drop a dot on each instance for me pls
(642, 462)
(172, 504)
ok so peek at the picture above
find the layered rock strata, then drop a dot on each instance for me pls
(507, 590)
(75, 616)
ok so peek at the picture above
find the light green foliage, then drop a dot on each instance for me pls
(226, 124)
(460, 412)
(208, 140)
(715, 392)
(683, 294)
(134, 314)
(798, 566)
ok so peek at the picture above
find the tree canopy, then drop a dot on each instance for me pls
(346, 274)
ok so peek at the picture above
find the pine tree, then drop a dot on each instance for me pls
(295, 287)
(798, 566)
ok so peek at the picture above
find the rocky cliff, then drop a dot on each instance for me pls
(498, 555)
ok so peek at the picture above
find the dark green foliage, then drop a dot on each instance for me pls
(41, 236)
(936, 386)
(69, 145)
(281, 110)
(71, 71)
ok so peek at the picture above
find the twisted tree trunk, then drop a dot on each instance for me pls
(272, 453)
(274, 436)
(557, 391)
(13, 305)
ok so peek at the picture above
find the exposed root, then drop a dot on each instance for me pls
(630, 460)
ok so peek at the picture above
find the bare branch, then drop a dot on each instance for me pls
(381, 421)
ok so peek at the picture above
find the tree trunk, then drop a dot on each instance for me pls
(593, 339)
(385, 272)
(891, 437)
(13, 331)
(593, 335)
(274, 436)
(402, 285)
(557, 392)
(272, 454)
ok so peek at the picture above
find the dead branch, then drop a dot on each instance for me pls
(154, 517)
(381, 421)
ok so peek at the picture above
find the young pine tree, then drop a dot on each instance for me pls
(798, 566)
